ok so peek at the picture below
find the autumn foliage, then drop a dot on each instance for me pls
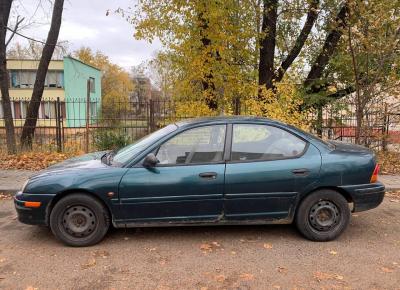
(33, 160)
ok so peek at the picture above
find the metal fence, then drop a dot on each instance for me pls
(78, 125)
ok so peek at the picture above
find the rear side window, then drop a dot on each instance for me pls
(194, 146)
(262, 142)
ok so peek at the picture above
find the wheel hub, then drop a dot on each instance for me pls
(324, 215)
(79, 221)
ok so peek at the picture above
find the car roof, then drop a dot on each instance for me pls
(221, 119)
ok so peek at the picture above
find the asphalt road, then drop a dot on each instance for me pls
(366, 256)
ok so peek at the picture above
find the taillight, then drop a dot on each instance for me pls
(374, 177)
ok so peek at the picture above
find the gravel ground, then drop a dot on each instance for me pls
(366, 256)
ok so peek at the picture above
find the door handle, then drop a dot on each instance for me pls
(301, 171)
(208, 175)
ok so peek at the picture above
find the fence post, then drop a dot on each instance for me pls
(386, 122)
(87, 116)
(58, 125)
(151, 116)
(237, 106)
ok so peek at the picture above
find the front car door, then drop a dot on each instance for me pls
(186, 186)
(268, 168)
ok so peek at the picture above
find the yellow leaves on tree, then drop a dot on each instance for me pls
(282, 105)
(212, 47)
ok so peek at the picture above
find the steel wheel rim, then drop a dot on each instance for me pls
(324, 215)
(79, 221)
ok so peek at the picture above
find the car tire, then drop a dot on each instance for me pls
(323, 215)
(79, 220)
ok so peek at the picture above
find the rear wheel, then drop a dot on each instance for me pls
(323, 215)
(79, 220)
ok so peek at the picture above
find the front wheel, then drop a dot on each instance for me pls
(323, 215)
(79, 220)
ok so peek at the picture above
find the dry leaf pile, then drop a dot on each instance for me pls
(32, 160)
(390, 162)
(5, 196)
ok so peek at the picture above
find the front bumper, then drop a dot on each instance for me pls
(32, 216)
(365, 196)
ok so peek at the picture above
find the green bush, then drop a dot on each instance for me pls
(106, 140)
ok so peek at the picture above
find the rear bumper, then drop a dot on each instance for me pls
(365, 196)
(32, 216)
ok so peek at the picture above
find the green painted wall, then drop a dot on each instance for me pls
(76, 74)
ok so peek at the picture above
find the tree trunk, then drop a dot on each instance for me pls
(5, 8)
(208, 78)
(28, 130)
(329, 47)
(267, 45)
(312, 15)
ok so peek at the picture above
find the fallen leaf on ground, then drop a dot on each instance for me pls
(101, 253)
(90, 263)
(209, 247)
(281, 269)
(387, 270)
(267, 246)
(206, 247)
(333, 252)
(4, 196)
(2, 260)
(220, 278)
(246, 276)
(320, 276)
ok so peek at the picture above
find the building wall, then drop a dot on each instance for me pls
(73, 92)
(76, 75)
(27, 64)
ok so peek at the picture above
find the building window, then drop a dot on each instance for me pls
(17, 110)
(22, 79)
(54, 79)
(47, 110)
(92, 85)
(1, 111)
(93, 110)
(26, 79)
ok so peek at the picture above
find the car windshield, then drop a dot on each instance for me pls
(125, 154)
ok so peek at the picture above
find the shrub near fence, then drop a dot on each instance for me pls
(76, 125)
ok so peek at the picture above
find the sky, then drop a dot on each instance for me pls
(85, 24)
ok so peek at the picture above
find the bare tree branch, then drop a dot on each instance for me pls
(14, 31)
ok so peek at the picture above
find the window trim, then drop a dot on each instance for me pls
(155, 150)
(230, 161)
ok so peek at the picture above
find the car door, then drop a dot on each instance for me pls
(268, 168)
(187, 184)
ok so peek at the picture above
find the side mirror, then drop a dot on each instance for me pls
(150, 160)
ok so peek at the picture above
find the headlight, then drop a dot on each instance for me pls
(24, 185)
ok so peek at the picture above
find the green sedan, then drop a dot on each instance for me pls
(208, 171)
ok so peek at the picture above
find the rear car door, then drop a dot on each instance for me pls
(268, 168)
(186, 186)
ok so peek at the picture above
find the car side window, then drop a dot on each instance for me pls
(262, 142)
(194, 146)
